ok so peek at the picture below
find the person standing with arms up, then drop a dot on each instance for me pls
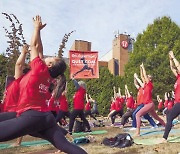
(175, 111)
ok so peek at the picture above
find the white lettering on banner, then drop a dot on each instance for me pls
(85, 56)
(43, 88)
(81, 61)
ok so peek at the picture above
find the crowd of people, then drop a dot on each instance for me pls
(35, 102)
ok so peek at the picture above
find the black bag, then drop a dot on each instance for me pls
(99, 123)
(121, 141)
(79, 126)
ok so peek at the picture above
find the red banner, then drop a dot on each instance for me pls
(83, 65)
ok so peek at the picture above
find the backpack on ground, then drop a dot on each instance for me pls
(79, 126)
(121, 141)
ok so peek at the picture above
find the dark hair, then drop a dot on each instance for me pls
(26, 70)
(60, 86)
(57, 69)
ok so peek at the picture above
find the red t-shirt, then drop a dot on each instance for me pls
(88, 106)
(160, 105)
(140, 96)
(130, 102)
(147, 95)
(113, 106)
(79, 99)
(118, 105)
(34, 87)
(11, 96)
(170, 105)
(166, 103)
(63, 103)
(177, 89)
(53, 105)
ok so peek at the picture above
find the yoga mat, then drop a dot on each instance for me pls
(155, 132)
(30, 143)
(153, 141)
(90, 133)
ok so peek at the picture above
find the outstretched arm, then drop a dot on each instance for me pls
(127, 91)
(36, 44)
(114, 89)
(172, 59)
(119, 92)
(138, 81)
(19, 66)
(145, 77)
(87, 100)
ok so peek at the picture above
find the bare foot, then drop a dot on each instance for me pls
(162, 140)
(136, 135)
(15, 145)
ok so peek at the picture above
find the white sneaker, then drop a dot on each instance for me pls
(133, 128)
(154, 127)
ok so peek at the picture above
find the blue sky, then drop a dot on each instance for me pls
(94, 20)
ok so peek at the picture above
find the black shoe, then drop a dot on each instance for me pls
(88, 131)
(70, 133)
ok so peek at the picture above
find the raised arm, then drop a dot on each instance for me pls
(138, 81)
(75, 83)
(173, 61)
(158, 98)
(119, 92)
(87, 100)
(36, 44)
(19, 66)
(114, 89)
(141, 74)
(127, 91)
(145, 77)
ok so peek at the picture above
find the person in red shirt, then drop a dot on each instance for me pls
(130, 104)
(112, 107)
(175, 111)
(32, 116)
(11, 94)
(149, 106)
(78, 105)
(160, 104)
(88, 108)
(118, 107)
(139, 85)
(63, 108)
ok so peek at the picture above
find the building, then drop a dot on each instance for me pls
(116, 59)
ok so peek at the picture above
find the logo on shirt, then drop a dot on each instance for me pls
(43, 88)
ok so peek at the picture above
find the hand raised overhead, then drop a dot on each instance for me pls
(38, 22)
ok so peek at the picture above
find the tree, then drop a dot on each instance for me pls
(63, 44)
(3, 72)
(100, 89)
(151, 48)
(15, 41)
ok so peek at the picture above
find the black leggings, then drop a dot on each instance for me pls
(74, 114)
(62, 114)
(113, 115)
(42, 122)
(173, 113)
(126, 115)
(7, 115)
(86, 113)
